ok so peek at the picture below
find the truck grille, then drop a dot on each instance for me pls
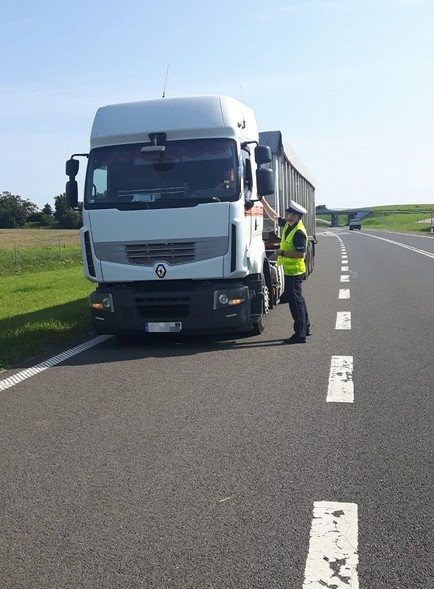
(163, 307)
(147, 254)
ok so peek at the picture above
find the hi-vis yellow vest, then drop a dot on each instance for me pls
(291, 266)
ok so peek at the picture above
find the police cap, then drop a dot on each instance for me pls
(295, 209)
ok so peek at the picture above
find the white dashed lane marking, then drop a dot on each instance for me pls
(344, 293)
(333, 547)
(341, 386)
(345, 277)
(343, 320)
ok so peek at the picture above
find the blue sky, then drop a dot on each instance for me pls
(350, 83)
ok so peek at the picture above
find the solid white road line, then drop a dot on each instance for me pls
(345, 277)
(343, 320)
(333, 550)
(28, 372)
(341, 386)
(404, 245)
(344, 293)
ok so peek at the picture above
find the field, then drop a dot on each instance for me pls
(9, 238)
(33, 250)
(43, 293)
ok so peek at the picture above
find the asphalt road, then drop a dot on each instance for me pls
(203, 463)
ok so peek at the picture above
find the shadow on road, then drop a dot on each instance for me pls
(124, 349)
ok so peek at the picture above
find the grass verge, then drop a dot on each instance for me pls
(404, 222)
(42, 310)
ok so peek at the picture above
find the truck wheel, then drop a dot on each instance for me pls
(259, 326)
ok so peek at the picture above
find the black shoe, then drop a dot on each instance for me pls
(308, 333)
(295, 340)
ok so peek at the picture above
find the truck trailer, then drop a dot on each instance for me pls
(173, 233)
(293, 181)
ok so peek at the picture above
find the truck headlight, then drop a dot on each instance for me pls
(223, 299)
(101, 301)
(230, 297)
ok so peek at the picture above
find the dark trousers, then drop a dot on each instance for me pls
(293, 294)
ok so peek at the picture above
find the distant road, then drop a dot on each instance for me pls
(237, 463)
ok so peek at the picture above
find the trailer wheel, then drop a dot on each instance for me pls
(259, 326)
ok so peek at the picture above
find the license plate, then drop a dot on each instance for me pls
(163, 327)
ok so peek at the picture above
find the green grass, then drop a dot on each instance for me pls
(407, 223)
(40, 311)
(43, 300)
(401, 208)
(32, 260)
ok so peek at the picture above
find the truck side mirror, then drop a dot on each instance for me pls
(262, 154)
(71, 193)
(71, 168)
(265, 181)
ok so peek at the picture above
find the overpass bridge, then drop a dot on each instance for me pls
(351, 214)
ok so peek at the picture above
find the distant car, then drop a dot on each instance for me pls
(354, 224)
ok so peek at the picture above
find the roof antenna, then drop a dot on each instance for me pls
(239, 80)
(165, 81)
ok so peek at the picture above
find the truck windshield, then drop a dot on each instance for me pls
(185, 173)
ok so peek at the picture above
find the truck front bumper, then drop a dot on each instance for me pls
(188, 308)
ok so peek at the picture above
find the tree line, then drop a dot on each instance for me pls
(16, 212)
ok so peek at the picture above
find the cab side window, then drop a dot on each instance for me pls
(247, 173)
(99, 185)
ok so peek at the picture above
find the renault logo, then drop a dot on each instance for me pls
(160, 271)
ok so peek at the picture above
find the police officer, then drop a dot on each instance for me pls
(291, 255)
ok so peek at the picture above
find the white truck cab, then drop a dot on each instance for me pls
(172, 227)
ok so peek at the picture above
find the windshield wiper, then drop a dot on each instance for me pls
(165, 203)
(204, 199)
